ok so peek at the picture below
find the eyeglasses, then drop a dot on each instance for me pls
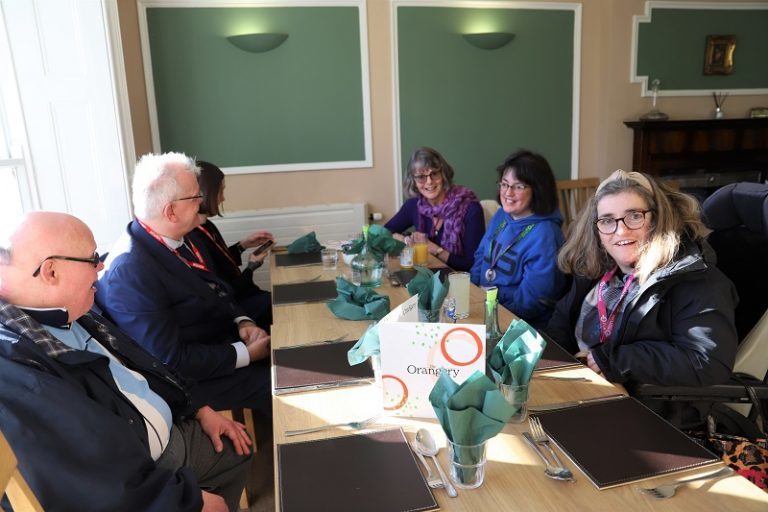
(633, 220)
(503, 186)
(93, 260)
(422, 178)
(198, 196)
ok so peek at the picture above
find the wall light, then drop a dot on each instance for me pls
(489, 40)
(258, 43)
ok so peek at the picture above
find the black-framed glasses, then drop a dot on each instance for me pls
(93, 260)
(198, 196)
(422, 178)
(633, 220)
(503, 186)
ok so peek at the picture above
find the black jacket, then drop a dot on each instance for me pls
(80, 443)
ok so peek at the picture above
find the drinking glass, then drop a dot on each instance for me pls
(517, 396)
(420, 253)
(329, 257)
(458, 289)
(467, 469)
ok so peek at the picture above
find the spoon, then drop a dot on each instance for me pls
(425, 445)
(552, 472)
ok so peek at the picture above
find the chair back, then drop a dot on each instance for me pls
(573, 195)
(738, 215)
(489, 209)
(13, 484)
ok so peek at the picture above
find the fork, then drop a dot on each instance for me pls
(432, 481)
(540, 437)
(667, 491)
(351, 424)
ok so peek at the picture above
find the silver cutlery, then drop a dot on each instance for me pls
(425, 444)
(668, 490)
(574, 403)
(351, 424)
(321, 342)
(432, 480)
(302, 281)
(557, 377)
(549, 470)
(542, 439)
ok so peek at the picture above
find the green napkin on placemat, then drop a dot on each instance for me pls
(516, 355)
(431, 292)
(367, 346)
(306, 243)
(357, 302)
(380, 242)
(470, 414)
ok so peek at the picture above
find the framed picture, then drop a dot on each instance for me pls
(718, 58)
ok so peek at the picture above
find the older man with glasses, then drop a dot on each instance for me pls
(159, 287)
(95, 421)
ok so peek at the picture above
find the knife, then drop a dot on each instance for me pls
(574, 403)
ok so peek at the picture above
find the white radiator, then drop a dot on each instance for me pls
(328, 221)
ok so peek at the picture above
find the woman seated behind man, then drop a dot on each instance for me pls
(518, 253)
(226, 260)
(450, 215)
(647, 304)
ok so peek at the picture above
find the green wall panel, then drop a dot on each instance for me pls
(671, 48)
(299, 103)
(477, 106)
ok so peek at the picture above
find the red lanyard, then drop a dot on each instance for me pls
(607, 321)
(221, 249)
(199, 264)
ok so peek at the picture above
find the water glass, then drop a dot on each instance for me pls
(420, 252)
(467, 464)
(329, 257)
(517, 396)
(406, 257)
(458, 289)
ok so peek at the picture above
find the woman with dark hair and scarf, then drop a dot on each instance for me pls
(450, 215)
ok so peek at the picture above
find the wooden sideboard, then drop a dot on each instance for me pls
(735, 149)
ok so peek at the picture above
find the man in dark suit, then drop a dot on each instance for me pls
(158, 288)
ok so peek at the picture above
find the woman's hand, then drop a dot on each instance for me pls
(256, 238)
(215, 425)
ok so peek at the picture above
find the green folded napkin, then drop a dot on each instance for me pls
(367, 346)
(470, 413)
(516, 355)
(380, 242)
(357, 302)
(306, 243)
(431, 292)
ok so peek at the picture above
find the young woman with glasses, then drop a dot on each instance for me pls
(450, 215)
(647, 303)
(518, 253)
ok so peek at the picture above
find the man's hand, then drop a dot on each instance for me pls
(593, 365)
(215, 425)
(256, 340)
(256, 238)
(213, 503)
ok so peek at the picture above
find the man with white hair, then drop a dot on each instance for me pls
(95, 421)
(158, 288)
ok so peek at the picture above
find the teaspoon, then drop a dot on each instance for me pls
(425, 444)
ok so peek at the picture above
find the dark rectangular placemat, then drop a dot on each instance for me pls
(405, 275)
(298, 260)
(299, 293)
(315, 366)
(622, 441)
(374, 472)
(555, 356)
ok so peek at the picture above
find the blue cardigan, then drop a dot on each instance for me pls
(527, 276)
(474, 225)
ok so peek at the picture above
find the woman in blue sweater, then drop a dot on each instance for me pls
(518, 253)
(450, 215)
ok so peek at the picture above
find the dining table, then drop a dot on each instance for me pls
(514, 478)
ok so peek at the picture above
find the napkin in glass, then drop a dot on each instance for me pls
(431, 290)
(367, 346)
(306, 243)
(380, 242)
(516, 355)
(357, 302)
(470, 413)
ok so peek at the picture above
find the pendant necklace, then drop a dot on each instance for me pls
(495, 252)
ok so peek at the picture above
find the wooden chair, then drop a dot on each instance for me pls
(489, 209)
(13, 484)
(246, 417)
(573, 196)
